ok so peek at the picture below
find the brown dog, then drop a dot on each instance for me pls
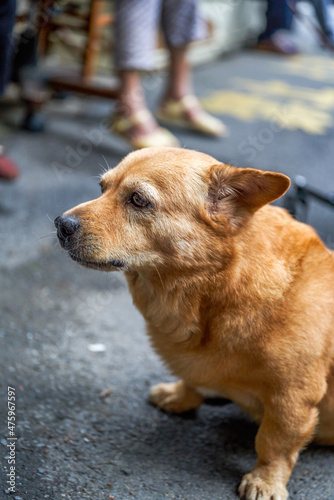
(238, 297)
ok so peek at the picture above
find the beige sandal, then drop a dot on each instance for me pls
(176, 112)
(158, 138)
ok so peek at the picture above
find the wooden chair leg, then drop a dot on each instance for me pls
(94, 39)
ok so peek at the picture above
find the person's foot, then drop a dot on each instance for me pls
(187, 112)
(8, 170)
(279, 42)
(327, 42)
(141, 130)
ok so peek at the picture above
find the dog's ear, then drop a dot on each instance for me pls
(238, 192)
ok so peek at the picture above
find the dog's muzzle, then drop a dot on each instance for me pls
(67, 226)
(68, 232)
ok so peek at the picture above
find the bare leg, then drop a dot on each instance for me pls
(179, 104)
(131, 100)
(180, 81)
(136, 26)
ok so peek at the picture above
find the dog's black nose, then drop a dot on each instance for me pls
(66, 226)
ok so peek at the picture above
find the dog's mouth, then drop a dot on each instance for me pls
(110, 265)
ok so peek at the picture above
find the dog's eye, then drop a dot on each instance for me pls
(138, 201)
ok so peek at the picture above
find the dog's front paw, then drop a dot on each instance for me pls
(253, 487)
(175, 397)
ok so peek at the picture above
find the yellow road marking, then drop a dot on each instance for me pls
(292, 106)
(318, 68)
(323, 98)
(291, 115)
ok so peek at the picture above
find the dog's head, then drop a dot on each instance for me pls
(166, 206)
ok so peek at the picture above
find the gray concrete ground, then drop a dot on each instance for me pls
(71, 443)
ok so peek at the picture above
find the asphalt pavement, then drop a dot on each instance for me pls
(72, 345)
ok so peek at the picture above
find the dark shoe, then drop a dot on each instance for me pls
(33, 121)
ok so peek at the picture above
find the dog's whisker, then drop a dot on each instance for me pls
(108, 166)
(50, 235)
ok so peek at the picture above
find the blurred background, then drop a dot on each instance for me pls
(249, 82)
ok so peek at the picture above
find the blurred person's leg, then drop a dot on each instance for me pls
(26, 71)
(183, 24)
(279, 17)
(321, 8)
(7, 19)
(279, 20)
(8, 170)
(136, 28)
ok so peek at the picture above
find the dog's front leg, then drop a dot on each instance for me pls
(285, 428)
(175, 397)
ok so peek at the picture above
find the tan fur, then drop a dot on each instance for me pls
(238, 297)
